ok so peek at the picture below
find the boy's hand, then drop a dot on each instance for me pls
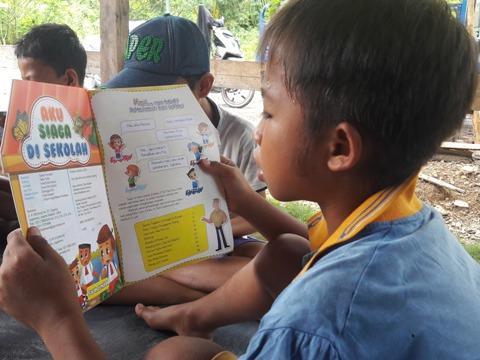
(36, 287)
(231, 181)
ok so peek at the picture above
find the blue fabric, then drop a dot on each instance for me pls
(403, 290)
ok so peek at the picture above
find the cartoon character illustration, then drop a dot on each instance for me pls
(204, 133)
(192, 175)
(133, 171)
(106, 245)
(117, 144)
(75, 272)
(196, 149)
(218, 217)
(87, 274)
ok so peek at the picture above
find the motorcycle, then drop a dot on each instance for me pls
(227, 47)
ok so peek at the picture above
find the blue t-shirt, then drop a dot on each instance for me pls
(404, 289)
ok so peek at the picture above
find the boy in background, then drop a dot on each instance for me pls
(50, 53)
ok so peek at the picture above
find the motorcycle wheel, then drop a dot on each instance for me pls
(237, 98)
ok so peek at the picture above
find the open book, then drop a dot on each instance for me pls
(111, 179)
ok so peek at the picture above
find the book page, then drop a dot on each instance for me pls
(166, 209)
(51, 153)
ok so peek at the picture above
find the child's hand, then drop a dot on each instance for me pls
(36, 287)
(231, 181)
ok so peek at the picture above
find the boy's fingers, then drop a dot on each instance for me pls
(16, 245)
(216, 168)
(226, 161)
(38, 243)
(15, 240)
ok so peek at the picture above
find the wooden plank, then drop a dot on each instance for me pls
(476, 99)
(460, 146)
(470, 15)
(236, 74)
(439, 182)
(476, 126)
(113, 35)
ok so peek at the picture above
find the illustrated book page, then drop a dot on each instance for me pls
(166, 209)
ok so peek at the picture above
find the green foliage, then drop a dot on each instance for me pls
(300, 210)
(474, 251)
(18, 16)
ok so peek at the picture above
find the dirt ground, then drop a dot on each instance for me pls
(461, 211)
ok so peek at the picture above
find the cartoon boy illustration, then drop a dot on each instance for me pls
(218, 217)
(87, 274)
(204, 133)
(196, 149)
(193, 176)
(75, 271)
(106, 244)
(133, 171)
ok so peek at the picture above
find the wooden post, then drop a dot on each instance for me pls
(113, 35)
(476, 104)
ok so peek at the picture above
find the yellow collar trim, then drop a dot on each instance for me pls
(386, 205)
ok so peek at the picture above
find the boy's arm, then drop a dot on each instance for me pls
(240, 226)
(37, 289)
(244, 201)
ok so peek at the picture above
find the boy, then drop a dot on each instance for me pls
(48, 53)
(87, 274)
(52, 53)
(385, 279)
(171, 50)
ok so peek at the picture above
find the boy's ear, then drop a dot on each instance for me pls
(345, 148)
(205, 85)
(71, 77)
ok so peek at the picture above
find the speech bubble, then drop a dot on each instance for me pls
(180, 120)
(151, 151)
(167, 164)
(171, 134)
(138, 125)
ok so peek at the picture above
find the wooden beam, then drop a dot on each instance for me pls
(113, 35)
(439, 182)
(460, 146)
(236, 74)
(476, 126)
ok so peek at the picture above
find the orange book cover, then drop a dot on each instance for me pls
(48, 127)
(50, 151)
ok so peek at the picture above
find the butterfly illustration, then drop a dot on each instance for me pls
(20, 129)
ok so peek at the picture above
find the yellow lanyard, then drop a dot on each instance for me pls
(386, 205)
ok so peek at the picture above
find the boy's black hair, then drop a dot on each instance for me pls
(401, 71)
(57, 46)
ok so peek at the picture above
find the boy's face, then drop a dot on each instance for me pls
(85, 256)
(36, 70)
(106, 251)
(117, 143)
(279, 136)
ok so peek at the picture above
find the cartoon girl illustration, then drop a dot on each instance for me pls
(204, 133)
(133, 171)
(196, 149)
(117, 144)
